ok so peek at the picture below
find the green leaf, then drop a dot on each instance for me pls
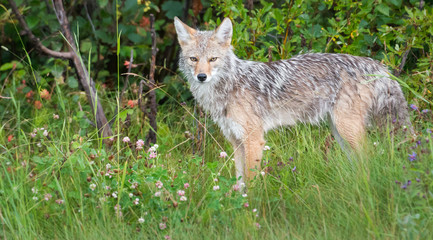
(72, 82)
(383, 8)
(172, 9)
(103, 3)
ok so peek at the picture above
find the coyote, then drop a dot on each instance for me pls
(247, 98)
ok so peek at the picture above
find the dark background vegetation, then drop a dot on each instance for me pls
(397, 32)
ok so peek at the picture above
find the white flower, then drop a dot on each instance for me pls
(263, 173)
(131, 195)
(156, 146)
(45, 133)
(139, 144)
(126, 140)
(255, 210)
(34, 190)
(215, 179)
(216, 188)
(114, 194)
(136, 201)
(141, 220)
(183, 199)
(157, 194)
(181, 192)
(35, 198)
(223, 154)
(159, 184)
(39, 144)
(108, 166)
(92, 186)
(55, 116)
(266, 148)
(244, 195)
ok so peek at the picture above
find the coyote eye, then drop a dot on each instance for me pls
(213, 59)
(193, 59)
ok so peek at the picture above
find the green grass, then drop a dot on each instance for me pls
(325, 197)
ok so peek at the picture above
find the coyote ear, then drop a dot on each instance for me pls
(224, 32)
(184, 33)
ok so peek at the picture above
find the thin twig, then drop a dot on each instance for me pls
(34, 39)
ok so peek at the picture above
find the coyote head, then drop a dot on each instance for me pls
(203, 52)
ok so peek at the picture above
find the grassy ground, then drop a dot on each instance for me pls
(61, 182)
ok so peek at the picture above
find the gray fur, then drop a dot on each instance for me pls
(302, 89)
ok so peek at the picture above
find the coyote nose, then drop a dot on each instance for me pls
(201, 77)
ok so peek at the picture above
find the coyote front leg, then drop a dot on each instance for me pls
(253, 144)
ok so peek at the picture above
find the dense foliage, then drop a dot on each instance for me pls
(58, 179)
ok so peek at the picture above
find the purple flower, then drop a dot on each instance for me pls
(409, 182)
(418, 180)
(425, 111)
(294, 169)
(412, 156)
(428, 130)
(404, 186)
(414, 107)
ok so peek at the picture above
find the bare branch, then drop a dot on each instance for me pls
(33, 38)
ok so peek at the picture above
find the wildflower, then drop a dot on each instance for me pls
(10, 137)
(92, 186)
(126, 140)
(215, 179)
(425, 111)
(246, 204)
(114, 194)
(55, 116)
(254, 210)
(156, 146)
(162, 226)
(141, 220)
(45, 133)
(159, 184)
(131, 195)
(216, 188)
(136, 201)
(412, 156)
(33, 134)
(35, 198)
(157, 194)
(167, 237)
(60, 201)
(108, 166)
(429, 130)
(186, 185)
(45, 94)
(418, 180)
(242, 184)
(414, 107)
(39, 144)
(183, 199)
(223, 154)
(266, 148)
(107, 187)
(47, 197)
(404, 186)
(181, 192)
(294, 169)
(263, 173)
(244, 195)
(134, 185)
(34, 190)
(139, 144)
(152, 155)
(375, 144)
(38, 104)
(258, 225)
(236, 188)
